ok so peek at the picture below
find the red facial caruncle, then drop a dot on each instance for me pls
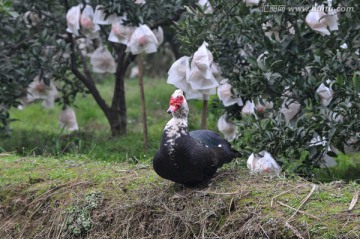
(175, 103)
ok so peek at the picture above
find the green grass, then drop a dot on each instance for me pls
(36, 133)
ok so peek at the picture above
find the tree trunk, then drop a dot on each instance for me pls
(142, 98)
(204, 114)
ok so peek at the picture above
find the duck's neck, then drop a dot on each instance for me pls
(176, 127)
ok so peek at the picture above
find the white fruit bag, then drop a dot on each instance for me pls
(251, 2)
(100, 17)
(140, 2)
(159, 34)
(39, 90)
(216, 71)
(102, 61)
(226, 96)
(263, 163)
(142, 40)
(206, 6)
(120, 33)
(228, 129)
(67, 119)
(88, 27)
(201, 78)
(317, 21)
(202, 58)
(325, 93)
(178, 74)
(290, 109)
(49, 102)
(73, 19)
(249, 108)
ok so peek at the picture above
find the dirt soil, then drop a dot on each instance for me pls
(100, 200)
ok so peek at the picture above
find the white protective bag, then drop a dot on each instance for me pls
(216, 71)
(120, 33)
(140, 2)
(102, 61)
(67, 119)
(142, 40)
(88, 27)
(73, 19)
(319, 21)
(228, 129)
(159, 34)
(201, 78)
(291, 110)
(226, 96)
(39, 90)
(206, 6)
(249, 108)
(251, 2)
(100, 17)
(325, 93)
(263, 163)
(178, 75)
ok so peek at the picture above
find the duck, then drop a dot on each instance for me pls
(189, 158)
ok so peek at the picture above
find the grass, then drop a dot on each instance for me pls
(36, 132)
(76, 197)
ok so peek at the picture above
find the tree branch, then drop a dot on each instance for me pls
(166, 22)
(88, 82)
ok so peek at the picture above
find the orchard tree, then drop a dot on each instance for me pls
(37, 44)
(292, 73)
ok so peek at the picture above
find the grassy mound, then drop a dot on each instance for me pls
(77, 198)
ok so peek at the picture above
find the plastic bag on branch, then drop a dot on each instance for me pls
(39, 90)
(140, 2)
(251, 2)
(73, 19)
(120, 33)
(325, 93)
(249, 108)
(227, 128)
(263, 163)
(178, 75)
(159, 34)
(290, 108)
(67, 119)
(226, 96)
(100, 16)
(206, 6)
(201, 78)
(88, 27)
(142, 40)
(102, 61)
(319, 21)
(262, 108)
(216, 71)
(49, 103)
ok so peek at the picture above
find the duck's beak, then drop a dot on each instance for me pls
(171, 109)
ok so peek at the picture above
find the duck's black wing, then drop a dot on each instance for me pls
(221, 148)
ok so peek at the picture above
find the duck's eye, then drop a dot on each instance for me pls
(180, 97)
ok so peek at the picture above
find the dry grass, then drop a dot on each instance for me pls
(130, 201)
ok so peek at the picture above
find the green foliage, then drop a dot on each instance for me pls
(264, 69)
(36, 43)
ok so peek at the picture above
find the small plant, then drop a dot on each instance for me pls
(78, 217)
